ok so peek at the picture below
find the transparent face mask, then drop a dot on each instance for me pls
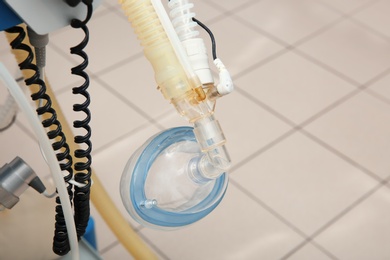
(159, 188)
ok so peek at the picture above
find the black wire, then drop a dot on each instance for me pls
(82, 168)
(214, 45)
(60, 146)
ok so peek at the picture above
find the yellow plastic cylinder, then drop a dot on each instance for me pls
(169, 73)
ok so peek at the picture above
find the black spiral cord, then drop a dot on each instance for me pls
(83, 166)
(60, 146)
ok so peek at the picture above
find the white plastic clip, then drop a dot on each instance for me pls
(225, 85)
(78, 184)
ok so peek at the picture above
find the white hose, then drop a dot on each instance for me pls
(32, 117)
(185, 28)
(182, 19)
(172, 36)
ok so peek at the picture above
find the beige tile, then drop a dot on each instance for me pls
(303, 182)
(203, 11)
(230, 5)
(309, 252)
(101, 9)
(110, 117)
(58, 71)
(35, 209)
(346, 6)
(111, 40)
(172, 119)
(109, 164)
(238, 46)
(382, 87)
(247, 127)
(359, 129)
(376, 17)
(135, 81)
(119, 252)
(289, 21)
(351, 50)
(294, 87)
(364, 232)
(237, 229)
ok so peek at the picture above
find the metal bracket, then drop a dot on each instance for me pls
(45, 16)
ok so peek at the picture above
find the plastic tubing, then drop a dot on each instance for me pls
(24, 105)
(99, 197)
(185, 27)
(182, 19)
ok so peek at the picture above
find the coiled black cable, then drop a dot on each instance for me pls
(82, 168)
(60, 241)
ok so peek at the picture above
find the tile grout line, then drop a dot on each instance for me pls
(128, 134)
(153, 246)
(118, 64)
(320, 142)
(351, 12)
(130, 104)
(293, 47)
(282, 219)
(116, 242)
(260, 31)
(326, 67)
(366, 27)
(377, 96)
(265, 107)
(335, 104)
(109, 247)
(323, 249)
(117, 140)
(262, 150)
(300, 127)
(229, 12)
(344, 212)
(261, 63)
(269, 209)
(341, 155)
(319, 31)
